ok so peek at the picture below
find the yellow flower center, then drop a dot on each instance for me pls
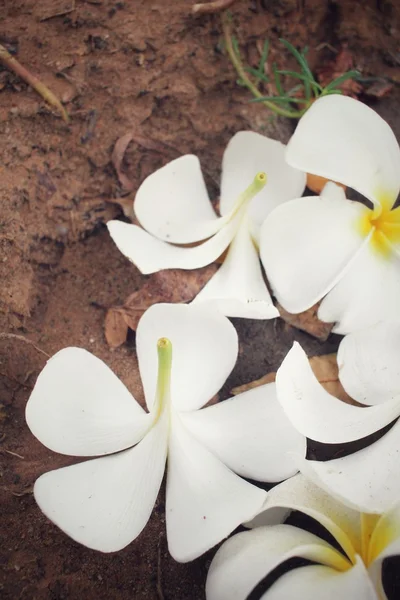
(384, 224)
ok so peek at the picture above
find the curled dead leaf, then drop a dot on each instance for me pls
(307, 321)
(118, 156)
(174, 286)
(325, 369)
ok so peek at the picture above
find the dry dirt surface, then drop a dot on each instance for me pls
(149, 68)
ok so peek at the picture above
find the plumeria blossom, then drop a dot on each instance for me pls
(351, 570)
(369, 370)
(79, 407)
(173, 207)
(329, 247)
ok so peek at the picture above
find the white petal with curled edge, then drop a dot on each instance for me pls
(250, 433)
(238, 288)
(106, 502)
(173, 204)
(369, 366)
(301, 494)
(368, 293)
(150, 254)
(204, 352)
(80, 408)
(300, 248)
(206, 501)
(247, 154)
(320, 416)
(316, 582)
(384, 543)
(247, 558)
(368, 480)
(344, 140)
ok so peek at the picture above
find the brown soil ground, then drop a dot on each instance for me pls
(152, 69)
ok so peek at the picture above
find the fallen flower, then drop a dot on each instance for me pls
(330, 247)
(350, 569)
(79, 407)
(369, 479)
(173, 207)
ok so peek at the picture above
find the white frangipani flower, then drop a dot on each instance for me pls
(353, 570)
(173, 207)
(330, 247)
(369, 370)
(79, 407)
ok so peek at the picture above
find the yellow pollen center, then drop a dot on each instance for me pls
(383, 223)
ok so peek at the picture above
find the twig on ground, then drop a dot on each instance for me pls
(211, 7)
(11, 63)
(12, 453)
(21, 338)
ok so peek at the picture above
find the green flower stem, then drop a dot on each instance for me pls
(163, 393)
(254, 188)
(226, 28)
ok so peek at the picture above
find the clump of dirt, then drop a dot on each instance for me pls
(153, 70)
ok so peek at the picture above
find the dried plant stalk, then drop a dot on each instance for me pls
(211, 7)
(11, 63)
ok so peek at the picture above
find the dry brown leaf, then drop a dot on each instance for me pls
(307, 321)
(174, 286)
(325, 369)
(118, 156)
(121, 146)
(126, 203)
(379, 89)
(115, 328)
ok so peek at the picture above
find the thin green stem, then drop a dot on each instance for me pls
(240, 70)
(164, 351)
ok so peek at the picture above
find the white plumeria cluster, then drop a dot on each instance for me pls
(325, 249)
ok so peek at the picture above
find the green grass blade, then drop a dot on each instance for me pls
(257, 74)
(264, 56)
(339, 80)
(299, 57)
(281, 99)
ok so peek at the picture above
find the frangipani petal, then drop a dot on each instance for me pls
(204, 352)
(238, 288)
(79, 407)
(368, 480)
(106, 502)
(250, 434)
(369, 292)
(246, 558)
(344, 140)
(316, 582)
(206, 501)
(173, 204)
(248, 153)
(369, 366)
(320, 416)
(384, 543)
(300, 493)
(150, 254)
(300, 248)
